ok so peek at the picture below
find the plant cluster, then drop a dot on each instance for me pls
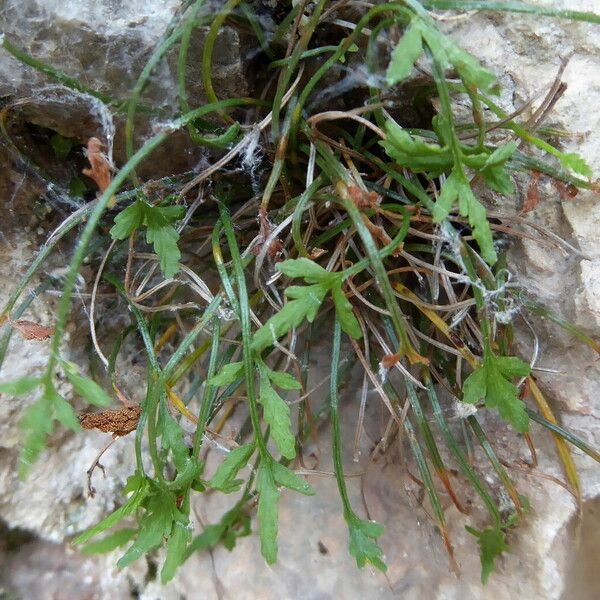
(353, 225)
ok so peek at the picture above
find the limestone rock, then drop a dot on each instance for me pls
(104, 46)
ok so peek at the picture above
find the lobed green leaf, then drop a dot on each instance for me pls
(576, 163)
(363, 545)
(172, 439)
(277, 415)
(448, 52)
(306, 269)
(285, 381)
(233, 524)
(65, 414)
(224, 479)
(176, 551)
(268, 500)
(127, 221)
(470, 207)
(37, 424)
(228, 374)
(492, 382)
(343, 311)
(164, 239)
(84, 386)
(159, 232)
(110, 542)
(492, 543)
(155, 525)
(21, 386)
(142, 488)
(287, 478)
(404, 55)
(412, 153)
(304, 306)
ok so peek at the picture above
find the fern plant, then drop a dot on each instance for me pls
(362, 229)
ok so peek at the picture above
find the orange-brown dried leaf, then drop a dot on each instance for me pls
(30, 330)
(100, 170)
(275, 247)
(533, 194)
(316, 253)
(118, 422)
(389, 360)
(362, 198)
(567, 191)
(380, 234)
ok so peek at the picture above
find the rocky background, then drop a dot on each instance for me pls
(553, 554)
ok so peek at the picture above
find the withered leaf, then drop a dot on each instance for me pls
(567, 191)
(275, 247)
(389, 360)
(363, 198)
(316, 253)
(118, 422)
(379, 233)
(533, 194)
(33, 331)
(100, 170)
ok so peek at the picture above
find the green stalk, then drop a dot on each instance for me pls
(220, 264)
(446, 106)
(515, 7)
(184, 47)
(208, 397)
(412, 187)
(500, 470)
(244, 315)
(286, 75)
(381, 277)
(189, 26)
(432, 449)
(155, 384)
(574, 330)
(460, 457)
(209, 394)
(53, 73)
(363, 534)
(284, 62)
(428, 483)
(209, 44)
(140, 319)
(304, 199)
(382, 254)
(341, 49)
(374, 92)
(336, 435)
(565, 434)
(189, 339)
(525, 135)
(112, 359)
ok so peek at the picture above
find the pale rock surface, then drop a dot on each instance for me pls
(105, 45)
(527, 51)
